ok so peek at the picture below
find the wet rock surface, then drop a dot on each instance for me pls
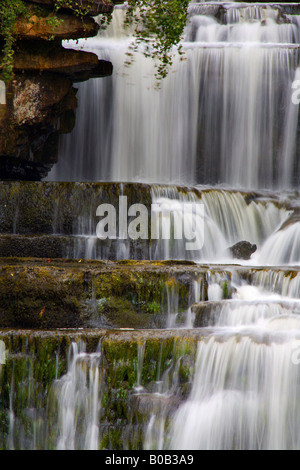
(243, 250)
(60, 293)
(35, 360)
(45, 208)
(49, 293)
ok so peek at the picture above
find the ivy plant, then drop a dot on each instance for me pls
(80, 10)
(158, 26)
(10, 10)
(77, 8)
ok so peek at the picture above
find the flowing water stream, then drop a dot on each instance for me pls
(224, 124)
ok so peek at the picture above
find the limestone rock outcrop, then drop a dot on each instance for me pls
(61, 25)
(39, 103)
(39, 108)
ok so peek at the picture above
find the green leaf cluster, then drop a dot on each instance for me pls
(10, 10)
(159, 25)
(72, 5)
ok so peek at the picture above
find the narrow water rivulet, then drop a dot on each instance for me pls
(222, 132)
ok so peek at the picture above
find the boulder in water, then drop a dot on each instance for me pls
(243, 250)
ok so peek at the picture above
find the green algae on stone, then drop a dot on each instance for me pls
(40, 297)
(60, 293)
(49, 207)
(37, 358)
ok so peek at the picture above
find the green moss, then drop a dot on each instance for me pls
(47, 293)
(40, 297)
(143, 290)
(225, 290)
(159, 26)
(36, 359)
(121, 313)
(10, 10)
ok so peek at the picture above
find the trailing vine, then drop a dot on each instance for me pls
(80, 11)
(10, 10)
(77, 8)
(159, 25)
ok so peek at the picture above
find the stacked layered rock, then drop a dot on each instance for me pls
(40, 102)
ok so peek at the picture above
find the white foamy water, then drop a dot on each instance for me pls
(78, 400)
(231, 121)
(244, 396)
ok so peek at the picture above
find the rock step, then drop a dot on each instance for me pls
(46, 208)
(72, 64)
(49, 293)
(67, 26)
(35, 208)
(71, 246)
(219, 9)
(58, 293)
(33, 360)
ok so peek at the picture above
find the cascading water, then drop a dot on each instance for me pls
(227, 124)
(77, 397)
(244, 396)
(233, 123)
(228, 218)
(246, 384)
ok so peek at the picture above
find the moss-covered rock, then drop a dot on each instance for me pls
(35, 360)
(53, 293)
(61, 208)
(43, 23)
(39, 72)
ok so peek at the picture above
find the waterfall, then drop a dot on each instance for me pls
(233, 124)
(245, 387)
(230, 123)
(217, 143)
(287, 284)
(77, 398)
(228, 218)
(244, 396)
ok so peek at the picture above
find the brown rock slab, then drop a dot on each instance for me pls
(49, 293)
(93, 7)
(67, 27)
(39, 57)
(34, 97)
(39, 108)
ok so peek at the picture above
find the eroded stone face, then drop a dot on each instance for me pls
(35, 96)
(39, 109)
